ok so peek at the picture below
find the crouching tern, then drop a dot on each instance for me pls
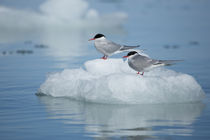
(108, 48)
(141, 63)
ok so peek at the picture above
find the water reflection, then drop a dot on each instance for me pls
(130, 121)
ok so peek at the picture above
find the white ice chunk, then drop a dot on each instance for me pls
(113, 81)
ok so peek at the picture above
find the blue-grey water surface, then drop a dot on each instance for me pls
(30, 50)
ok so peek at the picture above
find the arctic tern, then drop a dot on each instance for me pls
(108, 48)
(141, 63)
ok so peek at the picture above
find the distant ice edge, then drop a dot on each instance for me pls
(112, 81)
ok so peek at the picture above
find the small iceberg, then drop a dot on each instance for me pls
(113, 82)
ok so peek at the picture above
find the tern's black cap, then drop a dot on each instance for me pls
(98, 36)
(131, 53)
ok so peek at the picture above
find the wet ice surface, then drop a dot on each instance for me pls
(112, 81)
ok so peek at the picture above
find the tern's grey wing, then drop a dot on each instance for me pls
(111, 47)
(140, 63)
(106, 47)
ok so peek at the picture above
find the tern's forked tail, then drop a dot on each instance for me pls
(124, 47)
(167, 62)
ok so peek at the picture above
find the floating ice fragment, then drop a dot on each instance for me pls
(112, 81)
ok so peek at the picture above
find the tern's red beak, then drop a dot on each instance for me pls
(125, 56)
(91, 39)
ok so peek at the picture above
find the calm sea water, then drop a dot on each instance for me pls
(165, 29)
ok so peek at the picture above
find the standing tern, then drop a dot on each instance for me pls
(107, 47)
(142, 63)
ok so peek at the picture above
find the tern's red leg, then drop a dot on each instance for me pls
(104, 57)
(138, 72)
